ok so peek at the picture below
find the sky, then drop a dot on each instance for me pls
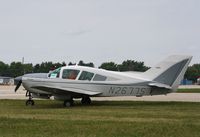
(98, 30)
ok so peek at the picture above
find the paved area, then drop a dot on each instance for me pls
(189, 87)
(7, 92)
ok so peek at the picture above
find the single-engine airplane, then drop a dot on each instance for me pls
(69, 82)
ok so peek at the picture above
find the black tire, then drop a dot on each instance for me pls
(89, 101)
(30, 103)
(68, 103)
(83, 101)
(86, 101)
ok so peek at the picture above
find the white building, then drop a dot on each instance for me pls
(6, 80)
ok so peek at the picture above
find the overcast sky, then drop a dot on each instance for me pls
(98, 30)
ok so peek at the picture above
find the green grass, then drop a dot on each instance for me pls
(188, 91)
(101, 119)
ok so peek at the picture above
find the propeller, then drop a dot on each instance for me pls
(18, 81)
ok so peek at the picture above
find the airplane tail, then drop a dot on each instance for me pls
(168, 73)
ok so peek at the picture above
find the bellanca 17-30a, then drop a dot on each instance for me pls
(69, 82)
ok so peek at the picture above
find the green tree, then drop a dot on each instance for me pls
(4, 69)
(58, 65)
(16, 69)
(193, 72)
(81, 63)
(71, 64)
(131, 65)
(128, 65)
(109, 66)
(36, 68)
(46, 66)
(28, 68)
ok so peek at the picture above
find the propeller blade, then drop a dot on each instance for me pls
(18, 85)
(18, 81)
(27, 93)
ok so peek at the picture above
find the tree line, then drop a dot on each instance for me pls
(15, 69)
(193, 72)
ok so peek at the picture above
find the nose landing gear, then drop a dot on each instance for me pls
(29, 102)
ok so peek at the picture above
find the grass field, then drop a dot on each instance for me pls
(101, 119)
(188, 90)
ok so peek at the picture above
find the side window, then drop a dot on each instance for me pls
(98, 77)
(55, 73)
(86, 76)
(70, 74)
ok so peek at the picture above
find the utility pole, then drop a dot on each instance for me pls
(23, 64)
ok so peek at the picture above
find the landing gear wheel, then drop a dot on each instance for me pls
(68, 103)
(30, 103)
(86, 101)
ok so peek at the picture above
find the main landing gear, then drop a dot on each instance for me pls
(86, 101)
(29, 102)
(70, 102)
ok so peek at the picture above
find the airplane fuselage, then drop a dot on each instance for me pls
(70, 82)
(107, 89)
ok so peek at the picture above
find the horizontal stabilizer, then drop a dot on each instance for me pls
(160, 85)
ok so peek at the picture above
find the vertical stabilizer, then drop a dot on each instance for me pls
(169, 72)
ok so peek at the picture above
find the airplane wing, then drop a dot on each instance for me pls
(159, 85)
(66, 90)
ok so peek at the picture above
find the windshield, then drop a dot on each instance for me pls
(55, 73)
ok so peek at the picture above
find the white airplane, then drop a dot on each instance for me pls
(69, 82)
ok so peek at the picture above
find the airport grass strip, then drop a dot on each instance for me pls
(188, 90)
(101, 119)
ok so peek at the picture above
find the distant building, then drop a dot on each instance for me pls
(186, 82)
(6, 80)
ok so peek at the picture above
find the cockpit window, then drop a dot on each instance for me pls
(98, 77)
(70, 74)
(55, 73)
(86, 76)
